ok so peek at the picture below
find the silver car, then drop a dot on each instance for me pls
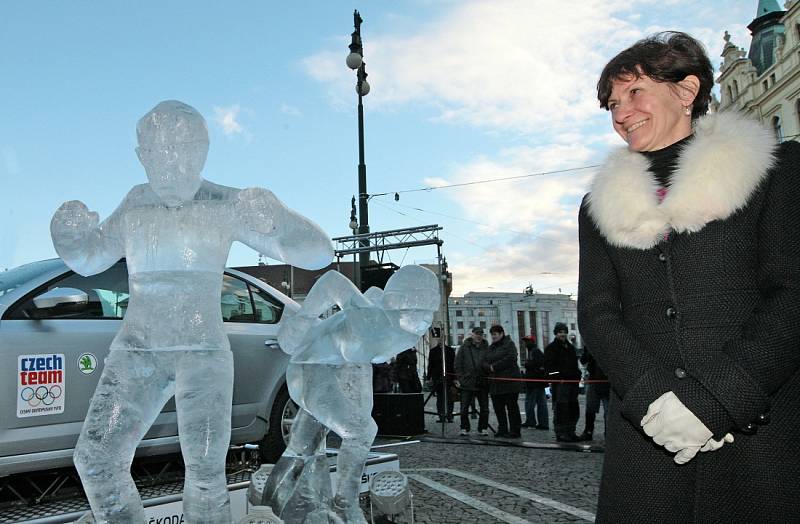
(55, 330)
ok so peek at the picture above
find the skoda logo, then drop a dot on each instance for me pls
(87, 363)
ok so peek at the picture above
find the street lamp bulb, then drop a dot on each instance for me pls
(353, 224)
(354, 61)
(364, 88)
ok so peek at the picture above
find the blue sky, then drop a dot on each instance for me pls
(461, 91)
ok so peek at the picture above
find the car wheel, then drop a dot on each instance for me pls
(281, 419)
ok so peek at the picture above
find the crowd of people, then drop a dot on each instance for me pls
(484, 369)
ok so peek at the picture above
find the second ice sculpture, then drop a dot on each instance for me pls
(175, 233)
(330, 378)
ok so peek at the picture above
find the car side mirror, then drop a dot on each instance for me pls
(58, 302)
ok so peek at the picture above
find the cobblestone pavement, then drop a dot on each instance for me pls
(472, 479)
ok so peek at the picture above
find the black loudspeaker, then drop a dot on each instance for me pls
(377, 275)
(399, 414)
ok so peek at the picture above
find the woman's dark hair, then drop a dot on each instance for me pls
(670, 57)
(497, 329)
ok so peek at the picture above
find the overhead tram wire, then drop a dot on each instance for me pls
(484, 248)
(486, 181)
(521, 233)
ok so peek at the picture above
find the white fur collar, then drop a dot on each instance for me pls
(715, 176)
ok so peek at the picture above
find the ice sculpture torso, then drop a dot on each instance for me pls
(174, 272)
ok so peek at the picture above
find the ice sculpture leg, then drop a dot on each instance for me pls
(203, 398)
(132, 390)
(300, 483)
(340, 397)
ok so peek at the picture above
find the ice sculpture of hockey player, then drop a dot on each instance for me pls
(330, 378)
(175, 233)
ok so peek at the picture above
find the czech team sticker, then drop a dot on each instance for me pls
(40, 385)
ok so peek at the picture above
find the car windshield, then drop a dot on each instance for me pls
(14, 278)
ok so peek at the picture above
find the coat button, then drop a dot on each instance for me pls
(762, 419)
(671, 312)
(680, 373)
(750, 429)
(662, 257)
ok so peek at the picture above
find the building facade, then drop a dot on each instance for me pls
(764, 82)
(521, 315)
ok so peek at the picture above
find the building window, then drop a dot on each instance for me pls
(480, 313)
(730, 94)
(532, 324)
(521, 327)
(459, 313)
(777, 129)
(460, 325)
(772, 79)
(545, 324)
(461, 340)
(483, 324)
(797, 110)
(572, 326)
(765, 85)
(491, 302)
(735, 89)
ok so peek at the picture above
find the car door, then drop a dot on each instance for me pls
(251, 317)
(77, 342)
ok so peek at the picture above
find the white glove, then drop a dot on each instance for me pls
(714, 445)
(672, 425)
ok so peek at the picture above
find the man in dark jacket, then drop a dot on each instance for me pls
(535, 402)
(435, 374)
(597, 392)
(561, 364)
(501, 364)
(405, 372)
(472, 380)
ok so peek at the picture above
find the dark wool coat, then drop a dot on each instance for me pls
(469, 365)
(561, 361)
(435, 364)
(534, 369)
(712, 313)
(503, 357)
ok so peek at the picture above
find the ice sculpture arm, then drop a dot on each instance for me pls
(84, 245)
(271, 228)
(332, 289)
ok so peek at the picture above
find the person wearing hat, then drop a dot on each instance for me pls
(472, 380)
(561, 364)
(501, 366)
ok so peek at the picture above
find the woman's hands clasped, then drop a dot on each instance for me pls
(672, 425)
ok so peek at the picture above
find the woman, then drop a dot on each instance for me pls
(500, 364)
(689, 297)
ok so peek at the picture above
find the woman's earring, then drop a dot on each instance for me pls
(687, 110)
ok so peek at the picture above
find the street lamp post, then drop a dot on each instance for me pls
(354, 228)
(355, 61)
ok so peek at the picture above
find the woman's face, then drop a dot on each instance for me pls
(648, 115)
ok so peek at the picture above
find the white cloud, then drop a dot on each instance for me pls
(514, 64)
(531, 222)
(226, 119)
(504, 65)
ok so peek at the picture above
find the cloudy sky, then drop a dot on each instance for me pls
(462, 91)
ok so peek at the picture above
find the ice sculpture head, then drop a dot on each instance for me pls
(410, 297)
(173, 144)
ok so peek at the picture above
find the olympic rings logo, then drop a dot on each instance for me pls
(42, 395)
